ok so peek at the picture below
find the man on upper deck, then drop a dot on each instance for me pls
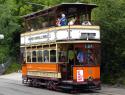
(63, 20)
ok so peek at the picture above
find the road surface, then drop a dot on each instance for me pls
(11, 85)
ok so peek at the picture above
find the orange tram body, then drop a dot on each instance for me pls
(61, 56)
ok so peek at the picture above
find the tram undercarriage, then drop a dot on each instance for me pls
(62, 84)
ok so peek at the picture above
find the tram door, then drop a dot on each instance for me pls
(67, 51)
(75, 57)
(71, 58)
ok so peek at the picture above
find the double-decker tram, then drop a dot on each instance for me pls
(60, 48)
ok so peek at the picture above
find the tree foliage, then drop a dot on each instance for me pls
(112, 21)
(110, 16)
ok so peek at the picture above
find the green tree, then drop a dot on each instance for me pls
(110, 16)
(8, 26)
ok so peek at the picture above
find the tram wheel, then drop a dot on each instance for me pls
(51, 85)
(30, 83)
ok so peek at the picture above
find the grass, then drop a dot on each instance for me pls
(14, 67)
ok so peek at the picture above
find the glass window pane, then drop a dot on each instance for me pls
(53, 56)
(46, 55)
(34, 56)
(39, 56)
(62, 56)
(28, 56)
(90, 57)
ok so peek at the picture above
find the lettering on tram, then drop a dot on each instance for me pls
(39, 37)
(60, 48)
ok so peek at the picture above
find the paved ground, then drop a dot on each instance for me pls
(11, 85)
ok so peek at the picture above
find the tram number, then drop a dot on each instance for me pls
(80, 75)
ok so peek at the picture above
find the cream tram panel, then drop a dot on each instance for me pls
(63, 34)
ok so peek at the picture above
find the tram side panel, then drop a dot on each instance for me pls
(43, 70)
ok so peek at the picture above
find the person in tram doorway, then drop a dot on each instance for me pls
(63, 20)
(80, 56)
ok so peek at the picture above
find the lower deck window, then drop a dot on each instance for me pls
(28, 56)
(34, 56)
(39, 56)
(53, 56)
(46, 55)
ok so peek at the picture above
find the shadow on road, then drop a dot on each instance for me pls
(69, 91)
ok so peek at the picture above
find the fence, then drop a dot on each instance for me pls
(4, 66)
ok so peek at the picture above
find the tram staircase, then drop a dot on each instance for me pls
(4, 66)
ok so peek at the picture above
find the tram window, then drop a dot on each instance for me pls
(90, 57)
(39, 56)
(97, 56)
(88, 46)
(28, 56)
(62, 56)
(46, 55)
(53, 56)
(33, 56)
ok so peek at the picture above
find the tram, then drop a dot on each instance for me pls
(60, 48)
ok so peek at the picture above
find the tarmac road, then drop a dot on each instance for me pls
(11, 85)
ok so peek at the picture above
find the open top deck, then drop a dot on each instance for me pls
(78, 13)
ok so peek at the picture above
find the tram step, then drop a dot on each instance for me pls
(42, 83)
(65, 87)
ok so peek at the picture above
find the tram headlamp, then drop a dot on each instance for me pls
(90, 79)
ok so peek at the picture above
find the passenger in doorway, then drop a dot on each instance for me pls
(63, 20)
(71, 56)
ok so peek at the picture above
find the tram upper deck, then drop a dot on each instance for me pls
(41, 26)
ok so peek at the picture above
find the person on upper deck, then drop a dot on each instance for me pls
(63, 20)
(72, 21)
(86, 23)
(58, 22)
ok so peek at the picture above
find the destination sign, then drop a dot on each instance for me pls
(39, 37)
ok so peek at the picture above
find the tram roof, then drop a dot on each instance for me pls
(62, 5)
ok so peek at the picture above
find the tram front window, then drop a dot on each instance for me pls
(87, 54)
(90, 57)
